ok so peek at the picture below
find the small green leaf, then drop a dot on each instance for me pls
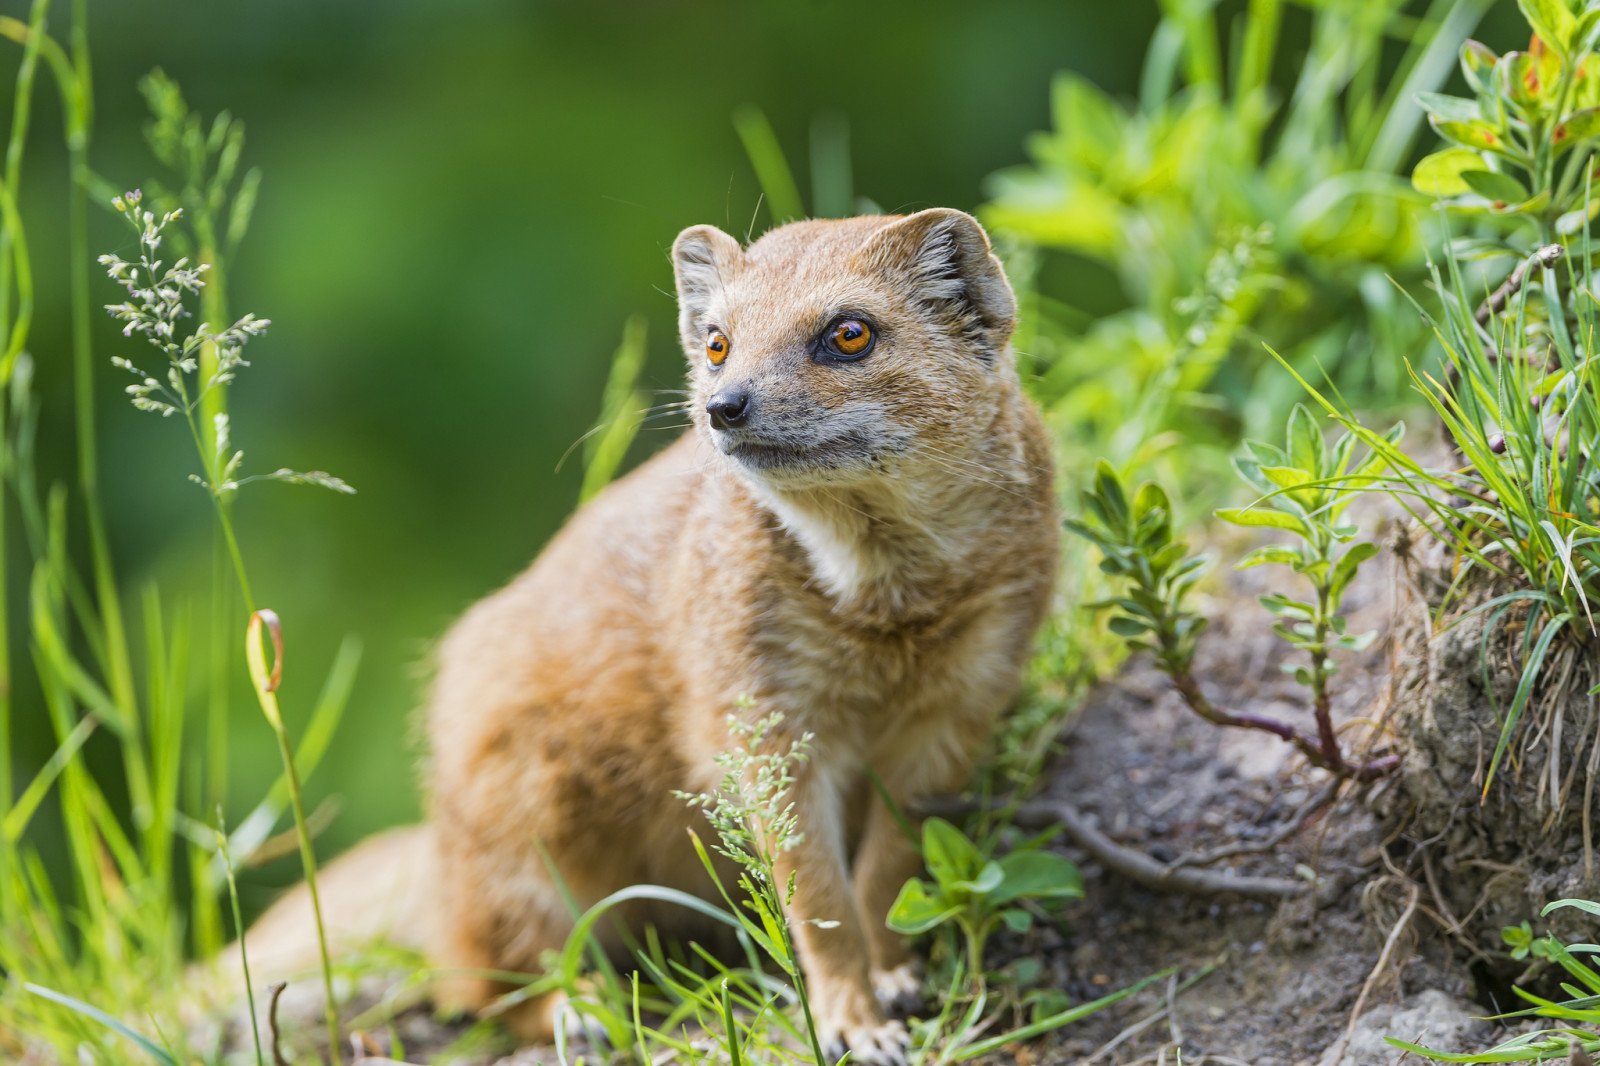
(1306, 444)
(1260, 517)
(1288, 477)
(1454, 108)
(1150, 497)
(988, 878)
(1492, 185)
(1477, 135)
(1108, 487)
(1345, 569)
(1284, 607)
(1551, 20)
(1017, 920)
(1578, 127)
(1270, 553)
(950, 856)
(1574, 220)
(1124, 626)
(918, 908)
(1037, 875)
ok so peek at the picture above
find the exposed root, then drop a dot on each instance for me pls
(1140, 868)
(1378, 968)
(1296, 822)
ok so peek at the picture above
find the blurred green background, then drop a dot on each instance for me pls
(462, 204)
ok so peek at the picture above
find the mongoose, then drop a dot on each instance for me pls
(859, 533)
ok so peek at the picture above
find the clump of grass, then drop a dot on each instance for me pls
(105, 944)
(1518, 396)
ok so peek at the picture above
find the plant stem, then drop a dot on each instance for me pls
(1184, 681)
(266, 686)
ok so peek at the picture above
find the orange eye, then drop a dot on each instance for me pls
(717, 345)
(851, 337)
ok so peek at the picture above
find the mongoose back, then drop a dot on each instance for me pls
(858, 533)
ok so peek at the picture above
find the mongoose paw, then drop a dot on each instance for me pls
(899, 990)
(877, 1043)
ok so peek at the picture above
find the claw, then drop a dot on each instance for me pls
(882, 1044)
(899, 990)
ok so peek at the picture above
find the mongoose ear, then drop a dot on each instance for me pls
(946, 255)
(702, 257)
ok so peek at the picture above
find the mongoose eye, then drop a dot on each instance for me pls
(849, 338)
(717, 346)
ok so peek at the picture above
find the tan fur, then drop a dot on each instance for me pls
(880, 587)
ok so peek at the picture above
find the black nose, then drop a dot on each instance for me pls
(729, 409)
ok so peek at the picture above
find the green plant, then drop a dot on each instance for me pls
(107, 940)
(1518, 396)
(978, 893)
(1229, 210)
(1523, 142)
(1581, 1007)
(1304, 487)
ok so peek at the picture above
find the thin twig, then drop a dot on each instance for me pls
(1545, 257)
(1296, 821)
(273, 992)
(1377, 971)
(1321, 753)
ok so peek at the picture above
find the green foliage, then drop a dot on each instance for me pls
(1581, 1007)
(1306, 486)
(1228, 216)
(1136, 541)
(976, 892)
(1522, 144)
(1518, 397)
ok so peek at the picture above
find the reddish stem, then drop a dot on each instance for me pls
(1325, 754)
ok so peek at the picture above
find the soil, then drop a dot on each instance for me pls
(1288, 977)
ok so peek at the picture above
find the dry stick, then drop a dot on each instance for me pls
(1141, 868)
(1543, 257)
(1377, 971)
(273, 992)
(1135, 865)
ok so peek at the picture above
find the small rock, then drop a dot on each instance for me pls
(1432, 1018)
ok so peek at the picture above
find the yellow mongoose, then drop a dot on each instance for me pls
(859, 533)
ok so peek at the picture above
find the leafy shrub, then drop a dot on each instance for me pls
(1305, 487)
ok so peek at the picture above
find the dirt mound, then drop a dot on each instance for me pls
(1492, 859)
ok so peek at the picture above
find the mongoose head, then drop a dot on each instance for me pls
(829, 352)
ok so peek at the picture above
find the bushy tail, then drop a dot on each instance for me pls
(379, 890)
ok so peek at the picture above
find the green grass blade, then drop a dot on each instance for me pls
(154, 1050)
(772, 169)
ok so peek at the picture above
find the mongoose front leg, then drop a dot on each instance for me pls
(833, 952)
(885, 861)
